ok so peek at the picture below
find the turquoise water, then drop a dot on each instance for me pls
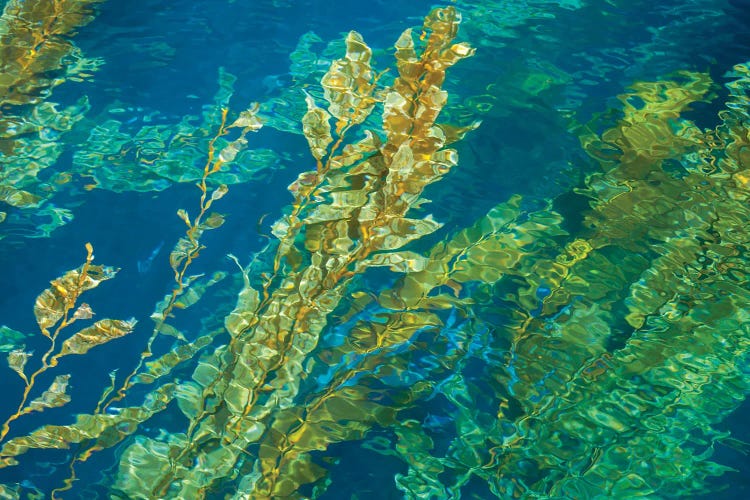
(586, 337)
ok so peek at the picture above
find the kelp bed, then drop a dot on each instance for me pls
(538, 353)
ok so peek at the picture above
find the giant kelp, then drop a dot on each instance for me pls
(540, 352)
(349, 214)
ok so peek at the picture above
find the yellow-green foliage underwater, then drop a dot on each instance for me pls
(540, 352)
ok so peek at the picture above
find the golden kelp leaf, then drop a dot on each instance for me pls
(249, 122)
(353, 153)
(342, 204)
(53, 397)
(51, 305)
(181, 251)
(17, 197)
(3, 215)
(407, 61)
(107, 390)
(143, 464)
(189, 399)
(244, 313)
(84, 311)
(399, 262)
(317, 129)
(249, 119)
(400, 231)
(182, 214)
(348, 84)
(213, 221)
(99, 333)
(9, 492)
(230, 151)
(17, 361)
(454, 133)
(196, 291)
(219, 192)
(389, 329)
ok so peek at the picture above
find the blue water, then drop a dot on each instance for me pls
(541, 69)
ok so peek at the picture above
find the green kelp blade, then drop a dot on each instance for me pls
(317, 129)
(166, 363)
(245, 311)
(143, 463)
(10, 492)
(18, 197)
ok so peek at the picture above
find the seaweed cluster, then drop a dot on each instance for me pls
(37, 55)
(541, 352)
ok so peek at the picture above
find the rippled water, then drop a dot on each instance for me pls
(575, 326)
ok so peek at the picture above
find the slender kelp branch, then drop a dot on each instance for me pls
(69, 302)
(181, 257)
(52, 309)
(186, 257)
(189, 247)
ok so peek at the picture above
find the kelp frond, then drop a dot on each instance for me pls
(56, 309)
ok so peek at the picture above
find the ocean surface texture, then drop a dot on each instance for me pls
(374, 250)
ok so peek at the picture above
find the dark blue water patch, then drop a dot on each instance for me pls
(159, 54)
(361, 472)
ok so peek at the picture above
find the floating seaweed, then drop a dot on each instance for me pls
(527, 355)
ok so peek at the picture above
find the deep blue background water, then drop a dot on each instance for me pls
(165, 56)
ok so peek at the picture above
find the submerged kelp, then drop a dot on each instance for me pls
(622, 346)
(544, 351)
(152, 157)
(349, 214)
(37, 56)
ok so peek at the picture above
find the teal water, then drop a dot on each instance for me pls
(530, 368)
